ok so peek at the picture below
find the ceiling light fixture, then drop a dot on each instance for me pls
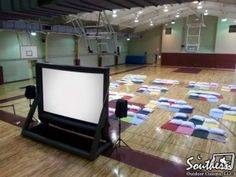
(195, 2)
(172, 22)
(165, 9)
(224, 19)
(199, 5)
(140, 12)
(151, 23)
(206, 13)
(33, 33)
(128, 39)
(136, 20)
(114, 13)
(177, 15)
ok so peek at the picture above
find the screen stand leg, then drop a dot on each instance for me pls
(30, 114)
(118, 142)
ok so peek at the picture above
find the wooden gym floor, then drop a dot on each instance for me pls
(23, 157)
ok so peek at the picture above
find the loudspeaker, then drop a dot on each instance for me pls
(121, 108)
(30, 92)
(118, 50)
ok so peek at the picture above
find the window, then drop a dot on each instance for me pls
(232, 29)
(168, 31)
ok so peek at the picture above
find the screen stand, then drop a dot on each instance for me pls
(81, 144)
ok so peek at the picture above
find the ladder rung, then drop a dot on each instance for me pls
(192, 45)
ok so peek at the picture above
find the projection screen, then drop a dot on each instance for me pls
(76, 95)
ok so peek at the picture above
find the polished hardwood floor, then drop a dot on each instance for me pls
(23, 157)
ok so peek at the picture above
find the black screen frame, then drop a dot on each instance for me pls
(67, 122)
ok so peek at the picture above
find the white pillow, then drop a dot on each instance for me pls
(194, 94)
(176, 121)
(172, 100)
(163, 99)
(213, 121)
(207, 96)
(224, 106)
(218, 131)
(188, 124)
(197, 117)
(141, 116)
(135, 107)
(230, 113)
(142, 89)
(112, 110)
(181, 102)
(113, 93)
(202, 127)
(148, 109)
(187, 107)
(232, 86)
(163, 104)
(129, 94)
(129, 113)
(176, 106)
(145, 86)
(179, 114)
(215, 110)
(163, 88)
(233, 109)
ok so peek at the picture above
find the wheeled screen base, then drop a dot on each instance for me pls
(87, 144)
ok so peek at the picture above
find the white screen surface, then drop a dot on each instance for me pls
(75, 95)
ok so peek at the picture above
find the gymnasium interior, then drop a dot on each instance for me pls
(163, 91)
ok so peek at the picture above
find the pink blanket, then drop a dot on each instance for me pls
(184, 130)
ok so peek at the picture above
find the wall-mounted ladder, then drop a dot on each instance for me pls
(193, 35)
(100, 38)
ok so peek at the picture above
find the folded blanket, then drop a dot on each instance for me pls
(136, 121)
(196, 122)
(216, 113)
(170, 126)
(201, 131)
(216, 137)
(218, 131)
(231, 118)
(141, 116)
(210, 125)
(143, 112)
(184, 130)
(200, 134)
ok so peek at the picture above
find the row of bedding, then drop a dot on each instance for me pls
(197, 126)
